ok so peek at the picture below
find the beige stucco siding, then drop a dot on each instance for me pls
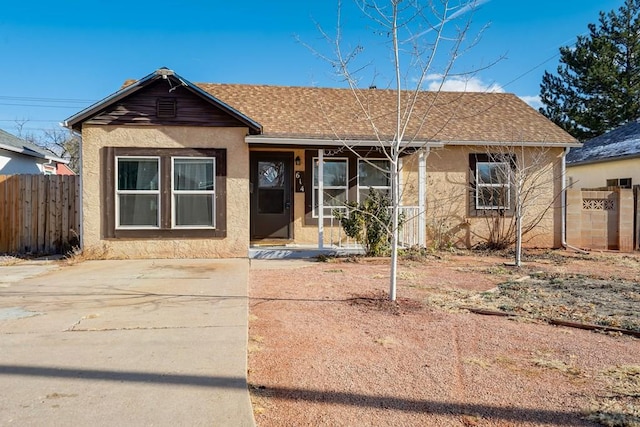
(235, 244)
(448, 198)
(595, 175)
(448, 195)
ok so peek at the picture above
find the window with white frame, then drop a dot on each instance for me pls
(373, 174)
(620, 182)
(137, 192)
(492, 186)
(335, 180)
(165, 192)
(193, 192)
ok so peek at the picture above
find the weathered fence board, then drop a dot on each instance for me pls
(39, 214)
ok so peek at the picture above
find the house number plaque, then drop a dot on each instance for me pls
(299, 181)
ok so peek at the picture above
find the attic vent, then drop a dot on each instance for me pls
(166, 107)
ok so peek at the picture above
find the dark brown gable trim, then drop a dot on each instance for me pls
(108, 173)
(143, 108)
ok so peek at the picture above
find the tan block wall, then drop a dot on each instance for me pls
(625, 221)
(600, 220)
(235, 244)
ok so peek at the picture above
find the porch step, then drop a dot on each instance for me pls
(284, 252)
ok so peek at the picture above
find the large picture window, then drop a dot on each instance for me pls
(155, 193)
(335, 185)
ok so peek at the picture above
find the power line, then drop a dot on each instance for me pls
(531, 70)
(42, 106)
(29, 120)
(26, 98)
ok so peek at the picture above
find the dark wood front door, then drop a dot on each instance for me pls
(271, 195)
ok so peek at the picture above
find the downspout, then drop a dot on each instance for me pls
(422, 199)
(80, 169)
(563, 198)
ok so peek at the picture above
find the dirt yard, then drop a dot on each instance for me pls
(327, 347)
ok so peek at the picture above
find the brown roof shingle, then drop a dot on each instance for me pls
(324, 113)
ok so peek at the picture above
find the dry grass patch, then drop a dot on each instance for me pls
(621, 407)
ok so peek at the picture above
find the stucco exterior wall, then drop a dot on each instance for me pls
(235, 244)
(448, 196)
(595, 175)
(448, 213)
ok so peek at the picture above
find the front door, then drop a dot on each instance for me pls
(271, 195)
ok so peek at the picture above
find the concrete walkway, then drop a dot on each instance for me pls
(133, 342)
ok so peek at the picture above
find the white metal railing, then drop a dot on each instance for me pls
(408, 236)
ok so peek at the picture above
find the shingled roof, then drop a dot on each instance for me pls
(619, 143)
(17, 145)
(323, 113)
(285, 113)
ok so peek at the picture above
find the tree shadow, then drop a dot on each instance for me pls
(513, 415)
(124, 376)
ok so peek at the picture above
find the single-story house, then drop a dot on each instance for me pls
(20, 157)
(176, 169)
(609, 160)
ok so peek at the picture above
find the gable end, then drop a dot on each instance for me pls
(164, 102)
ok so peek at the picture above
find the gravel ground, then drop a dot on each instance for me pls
(327, 348)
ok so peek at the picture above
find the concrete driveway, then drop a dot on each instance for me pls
(126, 342)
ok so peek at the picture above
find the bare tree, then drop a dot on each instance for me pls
(65, 144)
(513, 189)
(423, 39)
(62, 142)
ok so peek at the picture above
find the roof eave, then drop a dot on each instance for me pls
(284, 140)
(299, 141)
(93, 109)
(31, 153)
(543, 144)
(603, 160)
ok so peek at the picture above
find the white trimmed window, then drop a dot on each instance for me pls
(193, 192)
(335, 182)
(373, 174)
(493, 185)
(137, 192)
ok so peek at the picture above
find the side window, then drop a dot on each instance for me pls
(490, 181)
(620, 182)
(493, 185)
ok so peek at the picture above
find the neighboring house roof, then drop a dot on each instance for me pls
(619, 143)
(17, 145)
(311, 113)
(62, 169)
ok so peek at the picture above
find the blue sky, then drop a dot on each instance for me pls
(59, 57)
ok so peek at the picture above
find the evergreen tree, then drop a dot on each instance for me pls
(597, 86)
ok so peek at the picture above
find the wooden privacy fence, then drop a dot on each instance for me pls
(39, 214)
